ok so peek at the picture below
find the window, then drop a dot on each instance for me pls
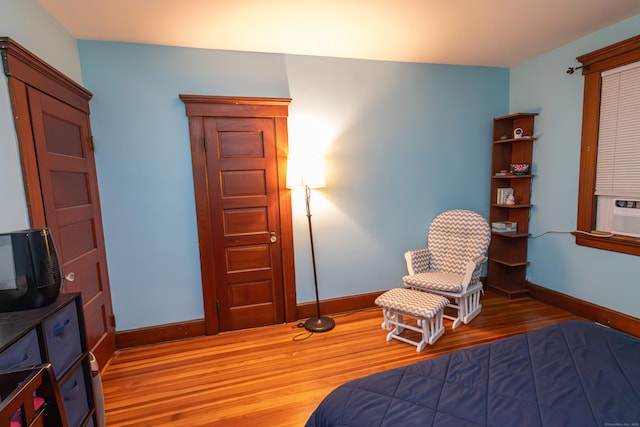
(595, 143)
(618, 160)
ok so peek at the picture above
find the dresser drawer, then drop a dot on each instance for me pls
(24, 352)
(53, 334)
(62, 336)
(74, 397)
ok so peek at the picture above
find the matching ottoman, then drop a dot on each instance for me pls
(424, 307)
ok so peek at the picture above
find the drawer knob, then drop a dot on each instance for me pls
(70, 277)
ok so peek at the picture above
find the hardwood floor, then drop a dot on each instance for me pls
(277, 375)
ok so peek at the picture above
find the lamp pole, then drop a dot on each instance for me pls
(318, 323)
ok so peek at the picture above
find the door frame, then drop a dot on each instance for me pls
(26, 72)
(200, 106)
(23, 69)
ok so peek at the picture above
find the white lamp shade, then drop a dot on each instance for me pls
(305, 170)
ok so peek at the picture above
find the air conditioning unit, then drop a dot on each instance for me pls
(626, 217)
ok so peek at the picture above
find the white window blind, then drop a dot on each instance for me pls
(618, 163)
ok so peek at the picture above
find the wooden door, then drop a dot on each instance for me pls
(72, 210)
(243, 186)
(239, 148)
(51, 115)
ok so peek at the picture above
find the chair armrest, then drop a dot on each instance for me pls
(417, 260)
(472, 273)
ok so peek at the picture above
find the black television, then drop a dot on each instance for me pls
(30, 274)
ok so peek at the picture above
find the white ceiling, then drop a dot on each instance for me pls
(501, 33)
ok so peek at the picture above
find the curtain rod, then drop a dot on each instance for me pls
(572, 70)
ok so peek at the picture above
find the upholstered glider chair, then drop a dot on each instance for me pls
(450, 266)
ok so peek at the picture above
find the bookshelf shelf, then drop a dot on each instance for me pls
(507, 264)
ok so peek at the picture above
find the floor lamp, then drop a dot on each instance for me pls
(307, 172)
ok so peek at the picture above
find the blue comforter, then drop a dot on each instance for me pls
(571, 374)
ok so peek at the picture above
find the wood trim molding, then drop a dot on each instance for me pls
(23, 69)
(616, 243)
(338, 305)
(594, 63)
(597, 313)
(196, 328)
(220, 106)
(235, 100)
(28, 157)
(286, 221)
(615, 55)
(197, 108)
(23, 65)
(158, 334)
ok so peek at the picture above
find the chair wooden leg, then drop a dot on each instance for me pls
(401, 323)
(430, 329)
(435, 328)
(426, 309)
(457, 319)
(466, 307)
(456, 323)
(386, 317)
(398, 321)
(473, 307)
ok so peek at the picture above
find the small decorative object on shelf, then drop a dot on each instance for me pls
(504, 226)
(511, 157)
(503, 194)
(519, 168)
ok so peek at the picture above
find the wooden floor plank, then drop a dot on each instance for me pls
(277, 375)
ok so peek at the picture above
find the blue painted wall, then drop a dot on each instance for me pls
(542, 85)
(55, 45)
(402, 142)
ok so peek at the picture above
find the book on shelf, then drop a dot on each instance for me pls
(504, 226)
(502, 195)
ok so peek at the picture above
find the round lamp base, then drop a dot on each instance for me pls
(319, 324)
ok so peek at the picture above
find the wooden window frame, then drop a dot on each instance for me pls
(593, 64)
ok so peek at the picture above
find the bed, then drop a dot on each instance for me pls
(574, 373)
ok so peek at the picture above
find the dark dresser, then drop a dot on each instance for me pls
(54, 334)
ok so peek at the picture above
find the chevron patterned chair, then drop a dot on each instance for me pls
(450, 266)
(425, 308)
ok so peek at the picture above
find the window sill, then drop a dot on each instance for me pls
(616, 243)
